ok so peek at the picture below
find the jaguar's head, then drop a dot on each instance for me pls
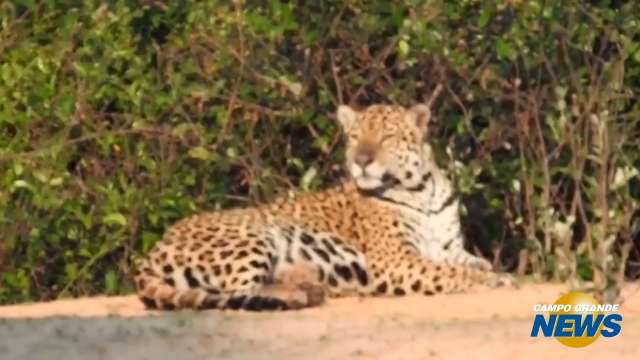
(385, 145)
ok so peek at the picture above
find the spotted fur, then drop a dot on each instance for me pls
(393, 230)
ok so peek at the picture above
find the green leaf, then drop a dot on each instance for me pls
(18, 169)
(200, 153)
(71, 271)
(505, 50)
(56, 181)
(308, 177)
(111, 282)
(148, 240)
(21, 184)
(403, 47)
(115, 219)
(485, 16)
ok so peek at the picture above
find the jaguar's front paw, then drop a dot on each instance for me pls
(503, 280)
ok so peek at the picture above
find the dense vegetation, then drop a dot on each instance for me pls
(119, 117)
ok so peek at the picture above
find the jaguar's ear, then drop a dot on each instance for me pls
(346, 116)
(420, 114)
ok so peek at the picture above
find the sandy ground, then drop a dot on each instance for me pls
(489, 324)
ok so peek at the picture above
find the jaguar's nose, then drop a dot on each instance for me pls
(363, 159)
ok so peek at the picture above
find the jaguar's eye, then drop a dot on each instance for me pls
(386, 138)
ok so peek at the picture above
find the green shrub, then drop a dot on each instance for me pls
(119, 117)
